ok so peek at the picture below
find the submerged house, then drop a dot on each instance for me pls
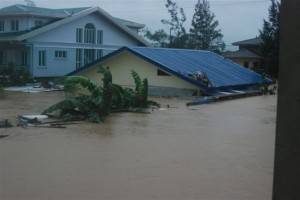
(54, 42)
(173, 72)
(248, 54)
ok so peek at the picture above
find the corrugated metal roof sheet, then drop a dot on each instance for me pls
(221, 72)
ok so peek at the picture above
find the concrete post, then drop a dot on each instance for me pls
(287, 151)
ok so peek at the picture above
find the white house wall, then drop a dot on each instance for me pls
(63, 38)
(23, 23)
(67, 32)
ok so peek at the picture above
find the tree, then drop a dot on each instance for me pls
(159, 38)
(176, 36)
(270, 38)
(203, 34)
(30, 3)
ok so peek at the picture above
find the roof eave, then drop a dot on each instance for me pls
(37, 14)
(81, 14)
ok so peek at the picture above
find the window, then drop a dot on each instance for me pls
(42, 58)
(1, 25)
(39, 23)
(162, 73)
(246, 64)
(24, 58)
(89, 34)
(255, 65)
(79, 35)
(99, 37)
(14, 25)
(61, 54)
(1, 58)
(99, 53)
(78, 58)
(89, 56)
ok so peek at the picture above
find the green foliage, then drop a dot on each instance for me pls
(268, 89)
(102, 98)
(159, 38)
(141, 91)
(265, 88)
(270, 38)
(176, 36)
(16, 76)
(204, 34)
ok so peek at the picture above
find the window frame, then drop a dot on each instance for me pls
(61, 55)
(89, 56)
(24, 58)
(42, 58)
(78, 58)
(89, 34)
(99, 37)
(99, 53)
(14, 25)
(2, 25)
(79, 35)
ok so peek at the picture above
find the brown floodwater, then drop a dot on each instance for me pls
(216, 151)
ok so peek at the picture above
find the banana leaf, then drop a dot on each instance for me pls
(67, 104)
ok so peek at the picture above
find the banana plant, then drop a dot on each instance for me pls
(93, 106)
(102, 98)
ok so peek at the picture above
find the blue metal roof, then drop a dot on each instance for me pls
(222, 73)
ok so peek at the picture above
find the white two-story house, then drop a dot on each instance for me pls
(54, 42)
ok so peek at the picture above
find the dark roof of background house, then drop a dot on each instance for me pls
(241, 53)
(253, 41)
(221, 72)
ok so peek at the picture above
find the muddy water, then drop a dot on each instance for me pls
(217, 151)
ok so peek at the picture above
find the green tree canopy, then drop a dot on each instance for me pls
(270, 38)
(176, 36)
(204, 34)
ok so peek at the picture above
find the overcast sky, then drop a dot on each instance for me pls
(238, 19)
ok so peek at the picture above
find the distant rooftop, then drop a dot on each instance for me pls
(19, 9)
(253, 41)
(242, 53)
